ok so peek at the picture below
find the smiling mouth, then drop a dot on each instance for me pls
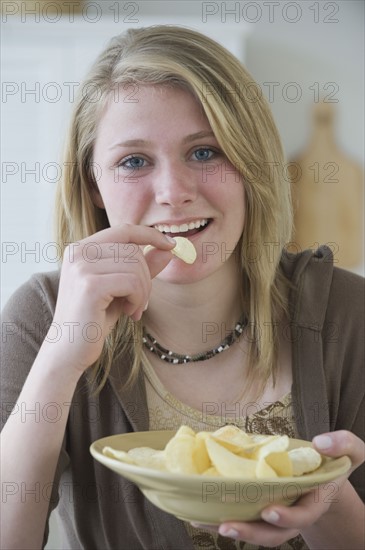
(185, 229)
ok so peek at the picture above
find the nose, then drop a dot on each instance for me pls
(174, 186)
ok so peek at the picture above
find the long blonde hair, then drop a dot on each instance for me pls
(242, 123)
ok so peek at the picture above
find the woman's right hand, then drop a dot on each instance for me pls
(102, 277)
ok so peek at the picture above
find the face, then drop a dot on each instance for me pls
(162, 166)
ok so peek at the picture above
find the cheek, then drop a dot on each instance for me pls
(234, 202)
(231, 195)
(225, 183)
(123, 204)
(237, 194)
(241, 201)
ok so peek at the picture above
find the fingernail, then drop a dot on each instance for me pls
(323, 442)
(145, 307)
(232, 533)
(271, 517)
(170, 239)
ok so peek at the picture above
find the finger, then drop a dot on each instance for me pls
(157, 260)
(122, 306)
(128, 286)
(112, 257)
(257, 532)
(126, 261)
(128, 233)
(340, 443)
(137, 315)
(90, 272)
(305, 512)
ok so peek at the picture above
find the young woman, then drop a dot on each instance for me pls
(170, 136)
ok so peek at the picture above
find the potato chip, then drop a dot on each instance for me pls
(228, 432)
(255, 449)
(264, 470)
(148, 458)
(229, 464)
(304, 460)
(259, 440)
(276, 444)
(203, 435)
(232, 438)
(179, 455)
(119, 455)
(200, 455)
(185, 430)
(227, 452)
(185, 250)
(281, 463)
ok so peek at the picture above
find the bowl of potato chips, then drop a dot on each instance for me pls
(212, 477)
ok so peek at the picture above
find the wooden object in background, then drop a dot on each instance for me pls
(327, 190)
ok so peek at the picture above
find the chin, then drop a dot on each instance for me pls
(178, 275)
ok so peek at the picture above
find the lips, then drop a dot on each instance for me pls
(187, 229)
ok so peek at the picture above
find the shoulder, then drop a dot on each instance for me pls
(347, 289)
(320, 290)
(327, 302)
(41, 288)
(25, 321)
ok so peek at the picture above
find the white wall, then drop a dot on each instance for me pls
(305, 53)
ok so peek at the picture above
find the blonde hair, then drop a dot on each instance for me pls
(242, 123)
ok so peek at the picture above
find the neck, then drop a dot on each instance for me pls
(195, 317)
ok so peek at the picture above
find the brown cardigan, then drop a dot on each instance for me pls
(100, 510)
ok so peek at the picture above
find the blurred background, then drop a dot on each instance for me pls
(306, 56)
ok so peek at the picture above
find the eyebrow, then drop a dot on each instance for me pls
(138, 142)
(198, 135)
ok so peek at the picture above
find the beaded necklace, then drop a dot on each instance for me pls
(178, 359)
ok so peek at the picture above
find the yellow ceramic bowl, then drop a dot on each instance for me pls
(211, 500)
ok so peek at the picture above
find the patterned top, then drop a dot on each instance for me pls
(166, 412)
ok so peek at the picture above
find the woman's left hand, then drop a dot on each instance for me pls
(281, 523)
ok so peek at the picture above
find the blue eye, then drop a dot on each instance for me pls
(204, 154)
(133, 163)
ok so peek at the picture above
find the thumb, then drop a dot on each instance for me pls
(340, 443)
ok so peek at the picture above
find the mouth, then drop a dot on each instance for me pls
(188, 229)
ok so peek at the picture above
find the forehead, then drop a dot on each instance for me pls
(132, 109)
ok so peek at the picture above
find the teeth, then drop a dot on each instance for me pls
(181, 228)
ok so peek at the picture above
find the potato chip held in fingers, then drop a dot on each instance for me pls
(184, 249)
